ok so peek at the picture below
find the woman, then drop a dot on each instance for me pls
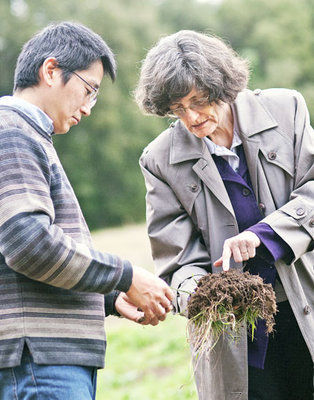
(231, 183)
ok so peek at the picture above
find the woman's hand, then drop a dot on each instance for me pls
(240, 247)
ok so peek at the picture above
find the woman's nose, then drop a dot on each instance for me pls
(191, 115)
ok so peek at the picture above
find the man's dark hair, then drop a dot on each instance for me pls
(74, 46)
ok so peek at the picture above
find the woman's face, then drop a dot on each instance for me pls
(198, 115)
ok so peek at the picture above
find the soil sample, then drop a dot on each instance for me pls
(223, 302)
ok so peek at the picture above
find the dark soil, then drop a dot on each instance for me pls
(242, 294)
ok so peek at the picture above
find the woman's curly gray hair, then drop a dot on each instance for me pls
(185, 60)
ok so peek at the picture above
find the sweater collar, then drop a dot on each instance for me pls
(30, 111)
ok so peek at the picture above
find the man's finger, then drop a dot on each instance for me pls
(166, 304)
(154, 311)
(148, 321)
(141, 319)
(159, 312)
(169, 293)
(163, 317)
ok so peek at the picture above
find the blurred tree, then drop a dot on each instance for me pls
(14, 28)
(276, 35)
(111, 189)
(100, 155)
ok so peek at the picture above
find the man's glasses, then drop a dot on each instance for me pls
(196, 105)
(92, 95)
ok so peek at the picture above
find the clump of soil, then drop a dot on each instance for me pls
(223, 302)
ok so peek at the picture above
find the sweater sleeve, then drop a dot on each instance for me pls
(30, 242)
(110, 301)
(273, 247)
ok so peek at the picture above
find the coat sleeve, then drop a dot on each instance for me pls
(178, 251)
(294, 221)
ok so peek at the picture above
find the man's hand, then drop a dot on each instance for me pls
(128, 310)
(240, 247)
(151, 295)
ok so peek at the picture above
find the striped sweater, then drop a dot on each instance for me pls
(54, 288)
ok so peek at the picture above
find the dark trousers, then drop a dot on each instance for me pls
(288, 372)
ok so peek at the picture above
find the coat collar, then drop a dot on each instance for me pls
(252, 118)
(184, 145)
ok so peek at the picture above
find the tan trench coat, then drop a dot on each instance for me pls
(189, 214)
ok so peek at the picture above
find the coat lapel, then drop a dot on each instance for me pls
(253, 119)
(185, 147)
(206, 169)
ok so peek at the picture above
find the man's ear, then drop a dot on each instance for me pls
(49, 71)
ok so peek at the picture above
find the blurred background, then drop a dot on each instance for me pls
(101, 155)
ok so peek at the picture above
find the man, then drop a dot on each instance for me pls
(53, 283)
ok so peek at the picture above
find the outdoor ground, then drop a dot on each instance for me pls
(142, 362)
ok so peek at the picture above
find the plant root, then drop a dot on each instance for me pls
(224, 302)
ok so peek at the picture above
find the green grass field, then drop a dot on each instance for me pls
(142, 362)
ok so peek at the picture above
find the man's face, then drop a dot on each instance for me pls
(69, 102)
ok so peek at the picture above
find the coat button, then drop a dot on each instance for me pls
(300, 211)
(246, 192)
(272, 155)
(193, 187)
(262, 207)
(312, 222)
(257, 91)
(307, 310)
